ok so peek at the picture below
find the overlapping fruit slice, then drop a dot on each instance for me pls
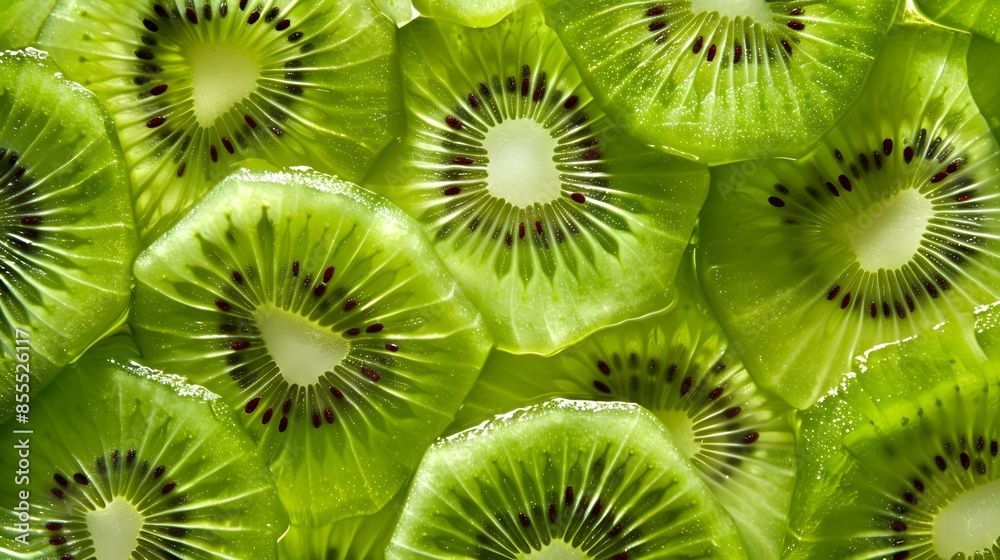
(903, 460)
(723, 80)
(567, 479)
(983, 19)
(195, 87)
(980, 16)
(679, 366)
(318, 311)
(475, 13)
(121, 461)
(890, 228)
(363, 537)
(67, 238)
(552, 220)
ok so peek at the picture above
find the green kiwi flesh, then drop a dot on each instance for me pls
(196, 87)
(887, 230)
(129, 462)
(982, 18)
(319, 312)
(20, 21)
(67, 238)
(901, 463)
(719, 81)
(979, 16)
(473, 13)
(679, 366)
(588, 233)
(364, 537)
(987, 329)
(399, 11)
(565, 479)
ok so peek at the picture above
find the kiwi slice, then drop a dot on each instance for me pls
(474, 13)
(318, 311)
(903, 459)
(196, 86)
(983, 19)
(721, 80)
(121, 461)
(553, 221)
(981, 16)
(399, 11)
(565, 479)
(984, 75)
(67, 238)
(679, 366)
(988, 330)
(364, 537)
(888, 229)
(20, 21)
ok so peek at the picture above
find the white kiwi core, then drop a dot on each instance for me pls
(681, 428)
(556, 550)
(114, 529)
(969, 523)
(302, 350)
(888, 232)
(221, 77)
(756, 10)
(521, 168)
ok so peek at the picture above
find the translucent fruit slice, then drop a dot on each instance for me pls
(126, 462)
(568, 480)
(905, 470)
(67, 238)
(980, 16)
(20, 21)
(318, 311)
(887, 230)
(553, 221)
(984, 75)
(724, 81)
(364, 537)
(474, 13)
(196, 87)
(679, 366)
(399, 11)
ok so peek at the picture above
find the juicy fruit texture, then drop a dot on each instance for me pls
(678, 365)
(67, 238)
(553, 222)
(363, 537)
(984, 75)
(904, 457)
(980, 16)
(20, 21)
(724, 81)
(474, 13)
(196, 88)
(320, 314)
(988, 330)
(135, 463)
(888, 229)
(399, 11)
(566, 479)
